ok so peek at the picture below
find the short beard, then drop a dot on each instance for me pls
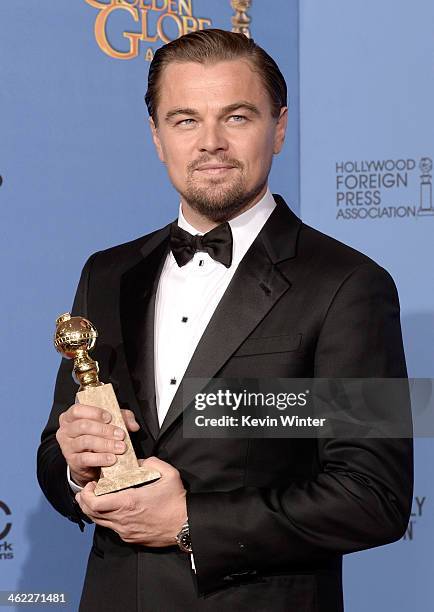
(220, 204)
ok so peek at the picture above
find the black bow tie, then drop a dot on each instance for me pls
(217, 243)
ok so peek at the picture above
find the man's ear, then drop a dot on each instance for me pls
(156, 139)
(279, 136)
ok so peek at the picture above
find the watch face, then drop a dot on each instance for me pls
(184, 539)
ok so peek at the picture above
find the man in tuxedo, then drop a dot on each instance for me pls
(238, 286)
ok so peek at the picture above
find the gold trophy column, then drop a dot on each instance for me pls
(74, 337)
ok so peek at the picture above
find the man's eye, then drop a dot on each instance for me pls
(186, 122)
(238, 118)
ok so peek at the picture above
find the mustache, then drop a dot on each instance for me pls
(219, 160)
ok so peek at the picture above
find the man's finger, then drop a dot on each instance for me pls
(85, 500)
(88, 488)
(81, 411)
(97, 445)
(85, 427)
(130, 420)
(99, 505)
(89, 502)
(78, 461)
(156, 464)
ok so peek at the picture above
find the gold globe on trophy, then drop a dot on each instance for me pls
(73, 339)
(241, 20)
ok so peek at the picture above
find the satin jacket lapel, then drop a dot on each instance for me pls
(137, 307)
(256, 286)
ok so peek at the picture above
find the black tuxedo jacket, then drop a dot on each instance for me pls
(269, 518)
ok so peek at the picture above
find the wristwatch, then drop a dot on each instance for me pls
(183, 538)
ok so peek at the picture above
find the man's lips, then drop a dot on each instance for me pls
(214, 168)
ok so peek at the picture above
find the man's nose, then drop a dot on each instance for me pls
(211, 138)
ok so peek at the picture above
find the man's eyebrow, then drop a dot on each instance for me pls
(181, 111)
(191, 112)
(239, 105)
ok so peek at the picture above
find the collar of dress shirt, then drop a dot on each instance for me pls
(245, 227)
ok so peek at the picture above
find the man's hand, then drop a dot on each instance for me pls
(88, 441)
(151, 515)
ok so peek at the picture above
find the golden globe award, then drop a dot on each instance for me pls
(73, 339)
(241, 20)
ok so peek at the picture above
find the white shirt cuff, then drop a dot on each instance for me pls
(75, 488)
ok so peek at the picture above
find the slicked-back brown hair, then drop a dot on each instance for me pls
(210, 46)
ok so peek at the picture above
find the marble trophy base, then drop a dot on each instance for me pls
(126, 472)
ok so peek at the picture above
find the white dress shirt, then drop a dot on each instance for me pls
(187, 297)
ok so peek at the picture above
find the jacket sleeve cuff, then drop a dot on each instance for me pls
(220, 552)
